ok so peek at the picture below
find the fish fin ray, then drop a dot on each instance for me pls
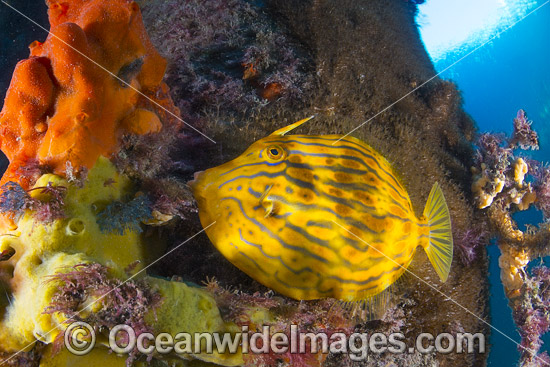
(440, 246)
(375, 306)
(267, 203)
(284, 130)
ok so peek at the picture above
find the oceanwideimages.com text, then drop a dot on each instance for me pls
(80, 339)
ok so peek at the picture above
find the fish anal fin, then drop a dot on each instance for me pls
(374, 307)
(371, 307)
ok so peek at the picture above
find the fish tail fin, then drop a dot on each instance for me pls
(440, 245)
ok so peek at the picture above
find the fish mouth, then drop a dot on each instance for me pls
(196, 178)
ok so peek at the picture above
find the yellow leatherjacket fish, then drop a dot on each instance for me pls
(319, 216)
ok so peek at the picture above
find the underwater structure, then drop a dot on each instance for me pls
(505, 183)
(328, 56)
(112, 114)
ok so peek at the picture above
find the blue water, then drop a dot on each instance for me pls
(509, 73)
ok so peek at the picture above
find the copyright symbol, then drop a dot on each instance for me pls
(79, 338)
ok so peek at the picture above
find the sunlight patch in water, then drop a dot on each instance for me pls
(452, 28)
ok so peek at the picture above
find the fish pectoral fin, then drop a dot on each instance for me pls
(268, 206)
(267, 203)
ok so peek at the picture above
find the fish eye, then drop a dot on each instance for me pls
(275, 152)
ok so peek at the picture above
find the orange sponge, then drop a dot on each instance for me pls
(96, 77)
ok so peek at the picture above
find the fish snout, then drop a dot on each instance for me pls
(196, 175)
(196, 178)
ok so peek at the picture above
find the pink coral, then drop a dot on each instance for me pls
(324, 316)
(541, 185)
(524, 136)
(467, 243)
(14, 200)
(532, 317)
(121, 302)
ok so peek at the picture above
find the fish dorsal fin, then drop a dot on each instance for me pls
(286, 129)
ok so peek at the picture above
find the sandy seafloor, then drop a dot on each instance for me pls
(509, 73)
